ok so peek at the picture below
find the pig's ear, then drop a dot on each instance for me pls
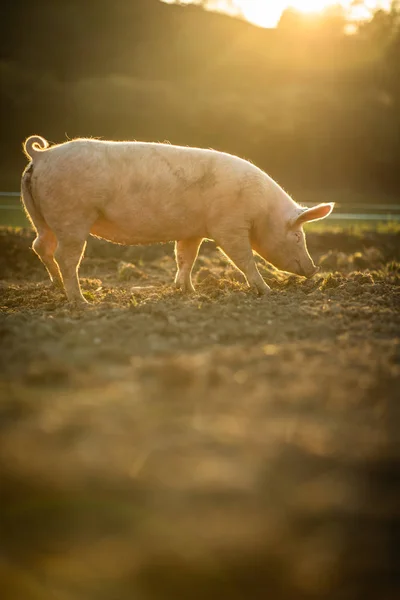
(313, 214)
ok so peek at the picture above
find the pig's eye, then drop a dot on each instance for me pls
(298, 236)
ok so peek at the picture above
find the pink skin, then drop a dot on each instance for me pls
(145, 193)
(286, 248)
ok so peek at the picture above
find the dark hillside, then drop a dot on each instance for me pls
(315, 108)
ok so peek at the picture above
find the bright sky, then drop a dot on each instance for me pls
(266, 13)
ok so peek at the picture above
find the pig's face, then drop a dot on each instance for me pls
(285, 247)
(291, 254)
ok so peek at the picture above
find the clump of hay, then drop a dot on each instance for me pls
(128, 272)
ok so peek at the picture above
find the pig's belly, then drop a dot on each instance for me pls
(132, 233)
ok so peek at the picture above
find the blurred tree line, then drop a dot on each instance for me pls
(313, 106)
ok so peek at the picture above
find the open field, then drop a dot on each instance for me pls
(157, 446)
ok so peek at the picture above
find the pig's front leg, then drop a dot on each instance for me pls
(186, 253)
(237, 248)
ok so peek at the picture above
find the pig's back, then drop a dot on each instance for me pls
(160, 190)
(171, 166)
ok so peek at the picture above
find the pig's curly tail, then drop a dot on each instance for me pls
(34, 144)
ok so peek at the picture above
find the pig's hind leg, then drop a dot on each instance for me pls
(238, 249)
(46, 242)
(44, 246)
(186, 253)
(71, 222)
(68, 255)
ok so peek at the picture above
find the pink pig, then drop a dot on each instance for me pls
(144, 193)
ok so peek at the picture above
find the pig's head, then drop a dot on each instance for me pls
(285, 244)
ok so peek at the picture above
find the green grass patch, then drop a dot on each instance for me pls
(353, 227)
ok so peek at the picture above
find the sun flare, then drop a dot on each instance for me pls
(311, 6)
(266, 13)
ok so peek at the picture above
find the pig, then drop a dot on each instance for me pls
(144, 193)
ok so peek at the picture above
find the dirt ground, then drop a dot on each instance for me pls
(155, 446)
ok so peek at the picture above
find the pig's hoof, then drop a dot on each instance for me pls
(184, 287)
(57, 285)
(264, 292)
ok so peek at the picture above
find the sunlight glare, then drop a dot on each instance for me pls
(311, 6)
(264, 14)
(267, 14)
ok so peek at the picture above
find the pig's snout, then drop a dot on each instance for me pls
(306, 272)
(312, 272)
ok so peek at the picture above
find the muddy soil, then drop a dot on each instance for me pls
(158, 446)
